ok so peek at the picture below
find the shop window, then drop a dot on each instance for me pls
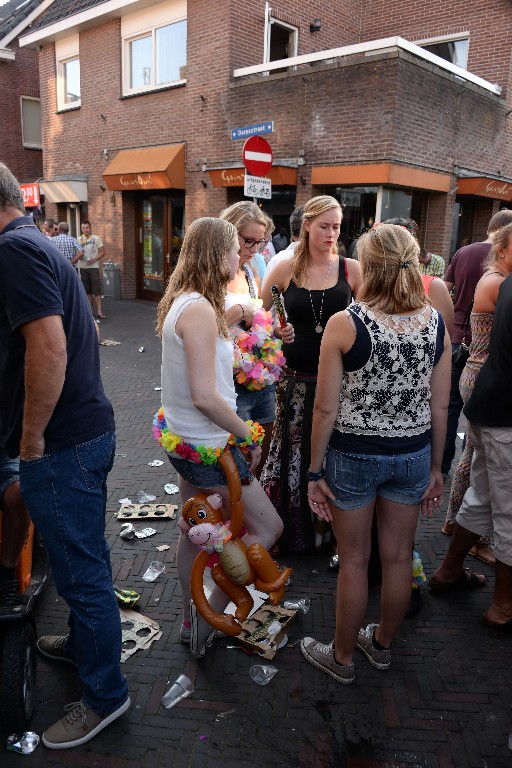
(455, 51)
(68, 73)
(31, 122)
(156, 58)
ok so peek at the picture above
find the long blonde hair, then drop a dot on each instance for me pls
(390, 269)
(500, 239)
(300, 260)
(245, 212)
(202, 267)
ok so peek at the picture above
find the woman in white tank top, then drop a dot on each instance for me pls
(198, 411)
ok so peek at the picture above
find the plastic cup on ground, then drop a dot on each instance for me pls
(262, 673)
(154, 570)
(298, 604)
(179, 690)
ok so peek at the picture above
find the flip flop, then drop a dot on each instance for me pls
(447, 529)
(485, 554)
(102, 317)
(496, 624)
(467, 580)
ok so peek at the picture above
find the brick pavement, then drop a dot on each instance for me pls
(445, 702)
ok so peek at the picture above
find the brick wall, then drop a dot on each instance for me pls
(18, 78)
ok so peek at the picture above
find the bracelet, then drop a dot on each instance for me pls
(254, 438)
(243, 311)
(315, 476)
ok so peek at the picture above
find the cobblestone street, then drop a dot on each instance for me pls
(445, 702)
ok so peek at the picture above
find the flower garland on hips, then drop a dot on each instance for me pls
(201, 454)
(258, 357)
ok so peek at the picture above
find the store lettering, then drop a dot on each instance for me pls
(137, 181)
(233, 177)
(504, 189)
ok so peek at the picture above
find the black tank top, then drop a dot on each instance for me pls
(303, 354)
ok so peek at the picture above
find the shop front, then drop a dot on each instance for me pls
(70, 195)
(478, 197)
(153, 178)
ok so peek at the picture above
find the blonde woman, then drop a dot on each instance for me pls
(315, 284)
(379, 425)
(198, 411)
(242, 299)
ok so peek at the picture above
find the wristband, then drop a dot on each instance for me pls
(315, 476)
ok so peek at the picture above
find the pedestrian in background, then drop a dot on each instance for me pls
(94, 251)
(68, 245)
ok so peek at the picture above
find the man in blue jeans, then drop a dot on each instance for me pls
(56, 417)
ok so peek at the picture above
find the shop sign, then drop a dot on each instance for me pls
(257, 187)
(30, 194)
(499, 189)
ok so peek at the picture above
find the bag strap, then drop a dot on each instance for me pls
(467, 319)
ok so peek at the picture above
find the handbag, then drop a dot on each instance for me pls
(461, 354)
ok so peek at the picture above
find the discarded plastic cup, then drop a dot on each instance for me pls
(23, 743)
(155, 463)
(154, 570)
(171, 488)
(179, 690)
(262, 673)
(127, 531)
(298, 604)
(145, 498)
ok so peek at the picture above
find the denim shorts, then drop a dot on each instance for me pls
(259, 405)
(357, 479)
(9, 469)
(210, 475)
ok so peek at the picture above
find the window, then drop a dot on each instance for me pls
(156, 58)
(31, 122)
(453, 50)
(282, 41)
(67, 54)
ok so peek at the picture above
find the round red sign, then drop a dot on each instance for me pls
(257, 156)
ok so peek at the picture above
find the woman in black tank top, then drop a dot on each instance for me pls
(315, 284)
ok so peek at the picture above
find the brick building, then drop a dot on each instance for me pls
(21, 143)
(394, 108)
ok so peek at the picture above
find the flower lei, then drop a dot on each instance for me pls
(201, 454)
(418, 574)
(258, 358)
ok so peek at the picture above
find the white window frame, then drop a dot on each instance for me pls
(127, 89)
(28, 144)
(453, 38)
(66, 50)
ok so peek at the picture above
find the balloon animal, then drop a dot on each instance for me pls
(238, 566)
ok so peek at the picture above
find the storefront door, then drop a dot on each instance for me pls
(160, 232)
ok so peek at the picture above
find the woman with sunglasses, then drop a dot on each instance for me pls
(242, 300)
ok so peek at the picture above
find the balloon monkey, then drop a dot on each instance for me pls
(238, 565)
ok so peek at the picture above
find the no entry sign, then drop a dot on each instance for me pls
(257, 156)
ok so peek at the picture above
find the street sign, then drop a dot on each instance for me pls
(257, 187)
(30, 194)
(252, 130)
(257, 156)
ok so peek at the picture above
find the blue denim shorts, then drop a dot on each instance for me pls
(210, 475)
(357, 479)
(259, 405)
(9, 469)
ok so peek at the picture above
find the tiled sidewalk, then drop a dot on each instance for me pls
(445, 702)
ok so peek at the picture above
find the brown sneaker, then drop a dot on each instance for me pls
(79, 725)
(54, 648)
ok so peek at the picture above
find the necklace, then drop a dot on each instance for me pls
(318, 323)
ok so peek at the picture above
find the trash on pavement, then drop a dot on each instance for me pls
(146, 511)
(179, 690)
(164, 547)
(145, 532)
(171, 488)
(109, 343)
(158, 389)
(144, 497)
(126, 598)
(298, 604)
(262, 673)
(154, 570)
(127, 531)
(138, 632)
(141, 349)
(155, 463)
(23, 743)
(256, 635)
(125, 502)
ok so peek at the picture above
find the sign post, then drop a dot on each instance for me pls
(257, 159)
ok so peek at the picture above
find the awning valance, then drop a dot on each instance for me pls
(378, 174)
(147, 168)
(484, 187)
(68, 191)
(234, 177)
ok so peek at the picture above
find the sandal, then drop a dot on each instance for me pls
(496, 624)
(465, 581)
(483, 553)
(447, 528)
(102, 317)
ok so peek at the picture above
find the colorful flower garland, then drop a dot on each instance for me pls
(258, 357)
(201, 454)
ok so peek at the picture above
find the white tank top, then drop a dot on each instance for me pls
(181, 415)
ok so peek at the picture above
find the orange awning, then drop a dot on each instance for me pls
(377, 174)
(234, 177)
(147, 168)
(485, 187)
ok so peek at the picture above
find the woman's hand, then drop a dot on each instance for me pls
(433, 496)
(287, 334)
(249, 310)
(319, 494)
(254, 458)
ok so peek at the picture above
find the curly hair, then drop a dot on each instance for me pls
(202, 267)
(388, 254)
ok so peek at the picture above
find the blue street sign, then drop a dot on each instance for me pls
(252, 130)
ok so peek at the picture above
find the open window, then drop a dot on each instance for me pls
(451, 48)
(281, 39)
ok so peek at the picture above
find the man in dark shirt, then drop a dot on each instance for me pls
(463, 273)
(486, 509)
(56, 417)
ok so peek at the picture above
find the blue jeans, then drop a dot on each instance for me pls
(66, 492)
(8, 470)
(454, 410)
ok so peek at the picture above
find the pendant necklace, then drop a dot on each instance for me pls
(318, 323)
